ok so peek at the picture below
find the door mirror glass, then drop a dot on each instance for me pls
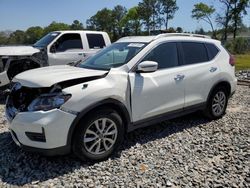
(147, 66)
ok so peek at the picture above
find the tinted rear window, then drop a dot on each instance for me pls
(95, 41)
(212, 50)
(194, 52)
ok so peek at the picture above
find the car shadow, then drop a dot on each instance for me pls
(19, 168)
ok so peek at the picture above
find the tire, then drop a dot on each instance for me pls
(217, 103)
(91, 143)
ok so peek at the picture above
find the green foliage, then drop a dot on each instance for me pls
(204, 12)
(131, 22)
(55, 26)
(33, 34)
(169, 7)
(243, 61)
(147, 11)
(3, 38)
(238, 46)
(76, 25)
(179, 30)
(17, 37)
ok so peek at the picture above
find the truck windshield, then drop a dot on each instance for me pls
(47, 39)
(113, 56)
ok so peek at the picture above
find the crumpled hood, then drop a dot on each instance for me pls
(18, 50)
(48, 76)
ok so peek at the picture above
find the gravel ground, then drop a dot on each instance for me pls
(184, 152)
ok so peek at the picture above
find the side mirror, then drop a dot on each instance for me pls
(53, 48)
(147, 66)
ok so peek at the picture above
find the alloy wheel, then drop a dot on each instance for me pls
(219, 103)
(100, 136)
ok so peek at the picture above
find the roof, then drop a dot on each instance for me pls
(174, 36)
(80, 31)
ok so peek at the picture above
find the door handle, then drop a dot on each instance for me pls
(179, 77)
(213, 69)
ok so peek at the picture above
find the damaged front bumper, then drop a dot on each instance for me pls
(42, 132)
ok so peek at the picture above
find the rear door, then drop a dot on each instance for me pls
(200, 70)
(68, 48)
(159, 92)
(95, 42)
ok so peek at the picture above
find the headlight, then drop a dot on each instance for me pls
(48, 102)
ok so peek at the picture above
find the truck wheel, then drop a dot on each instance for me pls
(217, 103)
(98, 135)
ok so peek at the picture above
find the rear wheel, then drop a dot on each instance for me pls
(217, 103)
(98, 136)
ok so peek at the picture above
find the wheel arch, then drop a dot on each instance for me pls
(114, 104)
(225, 84)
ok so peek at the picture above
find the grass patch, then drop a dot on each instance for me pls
(242, 61)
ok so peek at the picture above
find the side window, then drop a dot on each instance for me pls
(67, 42)
(194, 52)
(212, 50)
(165, 55)
(96, 41)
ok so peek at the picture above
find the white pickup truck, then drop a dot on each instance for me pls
(56, 48)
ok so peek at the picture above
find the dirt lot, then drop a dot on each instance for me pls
(184, 152)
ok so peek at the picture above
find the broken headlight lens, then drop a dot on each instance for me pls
(48, 102)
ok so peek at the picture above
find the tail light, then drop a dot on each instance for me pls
(232, 60)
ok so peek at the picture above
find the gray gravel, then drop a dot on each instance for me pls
(184, 152)
(243, 75)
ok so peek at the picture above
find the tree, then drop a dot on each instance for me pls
(225, 18)
(76, 25)
(200, 31)
(204, 12)
(17, 37)
(55, 26)
(179, 30)
(232, 17)
(147, 10)
(33, 34)
(169, 7)
(101, 21)
(131, 21)
(238, 10)
(3, 38)
(117, 15)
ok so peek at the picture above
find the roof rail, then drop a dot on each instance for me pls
(181, 34)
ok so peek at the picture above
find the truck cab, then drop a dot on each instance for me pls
(56, 48)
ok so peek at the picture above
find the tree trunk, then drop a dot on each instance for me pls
(167, 22)
(235, 28)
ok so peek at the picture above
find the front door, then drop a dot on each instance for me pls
(68, 48)
(159, 92)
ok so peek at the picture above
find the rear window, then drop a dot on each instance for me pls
(194, 52)
(212, 50)
(96, 41)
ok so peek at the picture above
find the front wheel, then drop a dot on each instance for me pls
(98, 136)
(217, 103)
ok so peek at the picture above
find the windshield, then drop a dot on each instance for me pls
(47, 39)
(113, 56)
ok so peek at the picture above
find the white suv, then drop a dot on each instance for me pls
(135, 82)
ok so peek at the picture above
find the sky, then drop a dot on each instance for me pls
(22, 14)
